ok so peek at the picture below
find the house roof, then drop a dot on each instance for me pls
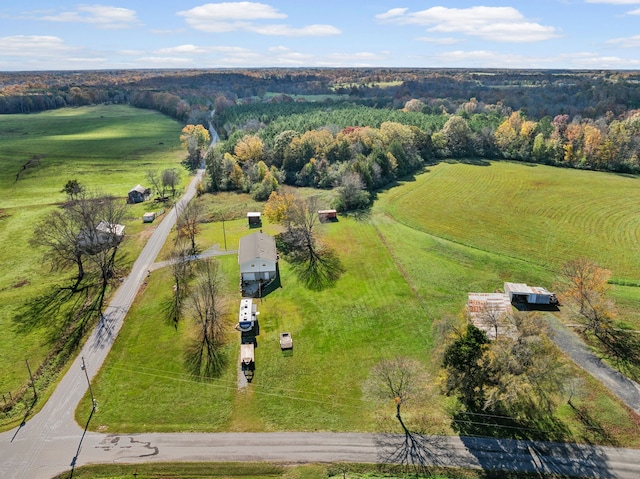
(257, 245)
(139, 188)
(253, 214)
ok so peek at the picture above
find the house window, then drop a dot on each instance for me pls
(253, 265)
(263, 264)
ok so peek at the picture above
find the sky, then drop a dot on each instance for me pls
(539, 34)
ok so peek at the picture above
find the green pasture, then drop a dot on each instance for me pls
(108, 149)
(398, 282)
(537, 214)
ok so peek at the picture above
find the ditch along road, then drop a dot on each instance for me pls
(52, 442)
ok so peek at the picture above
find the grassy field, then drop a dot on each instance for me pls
(107, 149)
(400, 278)
(259, 470)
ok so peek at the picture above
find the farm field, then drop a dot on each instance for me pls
(400, 279)
(108, 149)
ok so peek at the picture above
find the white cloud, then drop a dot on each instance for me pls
(231, 16)
(101, 16)
(198, 50)
(634, 12)
(33, 45)
(165, 61)
(287, 31)
(626, 42)
(439, 40)
(502, 24)
(616, 2)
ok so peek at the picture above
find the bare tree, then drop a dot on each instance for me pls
(400, 380)
(180, 269)
(170, 178)
(316, 264)
(492, 316)
(156, 183)
(188, 223)
(85, 231)
(205, 357)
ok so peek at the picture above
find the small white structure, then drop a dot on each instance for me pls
(286, 341)
(521, 293)
(257, 258)
(148, 217)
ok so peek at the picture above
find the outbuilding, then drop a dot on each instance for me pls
(148, 217)
(327, 215)
(254, 219)
(521, 293)
(138, 194)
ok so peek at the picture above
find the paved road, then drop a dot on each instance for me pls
(624, 388)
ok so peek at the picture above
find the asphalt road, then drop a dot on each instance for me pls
(52, 442)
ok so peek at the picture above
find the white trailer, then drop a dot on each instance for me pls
(247, 358)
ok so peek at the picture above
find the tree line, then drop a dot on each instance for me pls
(340, 144)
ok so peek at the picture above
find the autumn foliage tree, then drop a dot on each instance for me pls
(585, 289)
(195, 139)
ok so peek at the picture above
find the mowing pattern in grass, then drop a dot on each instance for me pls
(107, 149)
(539, 214)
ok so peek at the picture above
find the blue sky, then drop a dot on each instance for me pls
(571, 34)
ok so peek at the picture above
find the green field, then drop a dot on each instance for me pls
(427, 242)
(108, 149)
(402, 275)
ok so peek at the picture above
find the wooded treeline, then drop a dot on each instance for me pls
(537, 93)
(325, 145)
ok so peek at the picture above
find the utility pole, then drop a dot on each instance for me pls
(93, 400)
(224, 233)
(33, 384)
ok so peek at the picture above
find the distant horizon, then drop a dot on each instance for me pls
(583, 35)
(301, 68)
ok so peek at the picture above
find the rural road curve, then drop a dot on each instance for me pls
(52, 442)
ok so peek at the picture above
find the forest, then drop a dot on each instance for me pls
(366, 127)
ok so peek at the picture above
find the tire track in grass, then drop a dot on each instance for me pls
(401, 268)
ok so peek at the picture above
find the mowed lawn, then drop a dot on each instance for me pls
(398, 282)
(108, 149)
(538, 214)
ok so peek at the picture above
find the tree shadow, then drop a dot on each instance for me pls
(534, 445)
(622, 347)
(319, 272)
(597, 433)
(414, 453)
(205, 360)
(65, 313)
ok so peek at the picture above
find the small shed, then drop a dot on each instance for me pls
(138, 194)
(148, 217)
(327, 215)
(254, 219)
(521, 293)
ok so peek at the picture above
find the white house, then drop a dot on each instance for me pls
(257, 258)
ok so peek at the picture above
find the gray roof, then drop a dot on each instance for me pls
(139, 189)
(257, 245)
